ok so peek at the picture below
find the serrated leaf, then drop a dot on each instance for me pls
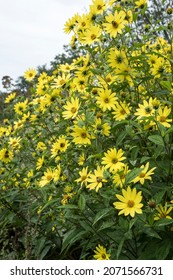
(156, 139)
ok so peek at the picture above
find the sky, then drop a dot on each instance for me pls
(31, 32)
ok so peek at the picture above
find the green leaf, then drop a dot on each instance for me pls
(82, 202)
(120, 246)
(121, 137)
(71, 237)
(166, 84)
(163, 222)
(156, 139)
(101, 214)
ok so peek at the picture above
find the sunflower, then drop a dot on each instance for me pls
(129, 202)
(121, 111)
(117, 58)
(6, 155)
(83, 179)
(91, 35)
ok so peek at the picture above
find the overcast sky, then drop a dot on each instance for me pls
(31, 32)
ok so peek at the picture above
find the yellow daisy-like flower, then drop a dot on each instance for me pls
(10, 97)
(100, 253)
(14, 142)
(141, 4)
(101, 128)
(162, 116)
(99, 5)
(145, 110)
(121, 111)
(47, 177)
(80, 135)
(60, 145)
(20, 107)
(97, 179)
(119, 176)
(91, 35)
(39, 163)
(6, 155)
(117, 58)
(83, 176)
(113, 159)
(71, 108)
(130, 202)
(162, 212)
(115, 23)
(106, 99)
(30, 74)
(145, 174)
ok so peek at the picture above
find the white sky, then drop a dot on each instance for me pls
(31, 32)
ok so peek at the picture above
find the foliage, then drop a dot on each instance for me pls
(86, 160)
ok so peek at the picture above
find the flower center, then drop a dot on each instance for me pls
(142, 175)
(62, 145)
(93, 36)
(114, 160)
(114, 24)
(106, 100)
(130, 203)
(49, 177)
(99, 179)
(73, 110)
(162, 119)
(83, 135)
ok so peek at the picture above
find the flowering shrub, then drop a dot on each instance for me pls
(86, 163)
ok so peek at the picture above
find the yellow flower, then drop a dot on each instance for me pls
(100, 253)
(30, 74)
(6, 155)
(47, 177)
(145, 110)
(113, 159)
(60, 145)
(96, 180)
(119, 176)
(91, 35)
(145, 174)
(39, 163)
(71, 108)
(115, 23)
(80, 135)
(121, 111)
(10, 97)
(130, 202)
(83, 176)
(14, 142)
(70, 24)
(117, 58)
(141, 4)
(99, 5)
(106, 99)
(162, 116)
(20, 107)
(162, 212)
(101, 128)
